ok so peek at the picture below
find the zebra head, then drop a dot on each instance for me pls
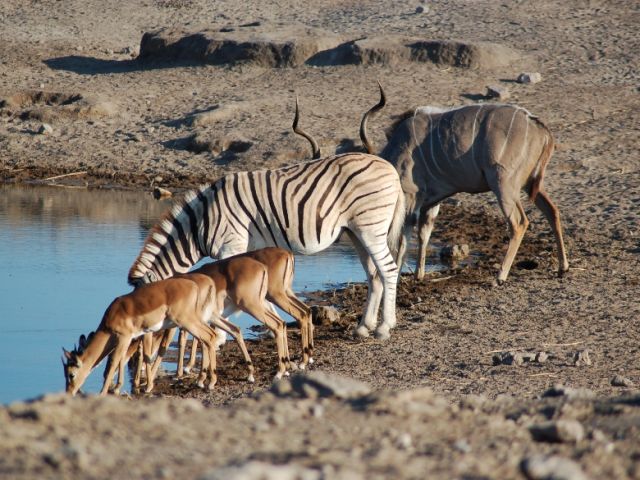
(174, 244)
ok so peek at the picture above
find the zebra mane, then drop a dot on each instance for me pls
(156, 237)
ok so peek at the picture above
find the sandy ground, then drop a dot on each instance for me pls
(476, 418)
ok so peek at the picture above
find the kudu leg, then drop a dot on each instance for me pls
(425, 226)
(551, 212)
(518, 223)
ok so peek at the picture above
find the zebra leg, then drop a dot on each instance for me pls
(388, 271)
(425, 226)
(374, 295)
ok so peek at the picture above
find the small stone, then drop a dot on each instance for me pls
(620, 381)
(324, 315)
(159, 192)
(404, 441)
(150, 129)
(529, 77)
(455, 252)
(543, 467)
(79, 48)
(45, 129)
(581, 358)
(462, 446)
(542, 357)
(497, 91)
(419, 9)
(559, 431)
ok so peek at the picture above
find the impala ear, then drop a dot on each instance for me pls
(82, 342)
(66, 355)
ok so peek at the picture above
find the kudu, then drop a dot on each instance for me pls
(475, 148)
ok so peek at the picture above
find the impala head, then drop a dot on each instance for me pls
(75, 370)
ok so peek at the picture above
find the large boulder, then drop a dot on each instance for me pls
(278, 46)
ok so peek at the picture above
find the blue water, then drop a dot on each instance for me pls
(65, 254)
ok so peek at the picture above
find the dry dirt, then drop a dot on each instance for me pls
(119, 121)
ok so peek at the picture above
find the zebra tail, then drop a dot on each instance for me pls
(397, 224)
(543, 160)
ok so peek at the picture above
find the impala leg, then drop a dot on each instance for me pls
(262, 313)
(139, 356)
(118, 358)
(162, 350)
(374, 295)
(193, 357)
(518, 223)
(298, 310)
(236, 333)
(425, 227)
(182, 344)
(207, 336)
(550, 211)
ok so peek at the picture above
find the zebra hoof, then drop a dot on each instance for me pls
(361, 331)
(383, 334)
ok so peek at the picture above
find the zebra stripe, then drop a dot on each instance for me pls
(303, 208)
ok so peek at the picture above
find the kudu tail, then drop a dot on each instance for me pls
(397, 224)
(543, 160)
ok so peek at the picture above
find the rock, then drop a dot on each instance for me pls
(45, 129)
(497, 91)
(526, 77)
(159, 192)
(267, 46)
(324, 315)
(201, 142)
(581, 358)
(131, 51)
(255, 470)
(560, 431)
(475, 55)
(543, 467)
(455, 252)
(321, 384)
(518, 358)
(218, 113)
(570, 393)
(419, 9)
(620, 381)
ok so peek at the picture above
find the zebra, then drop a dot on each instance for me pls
(473, 148)
(303, 208)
